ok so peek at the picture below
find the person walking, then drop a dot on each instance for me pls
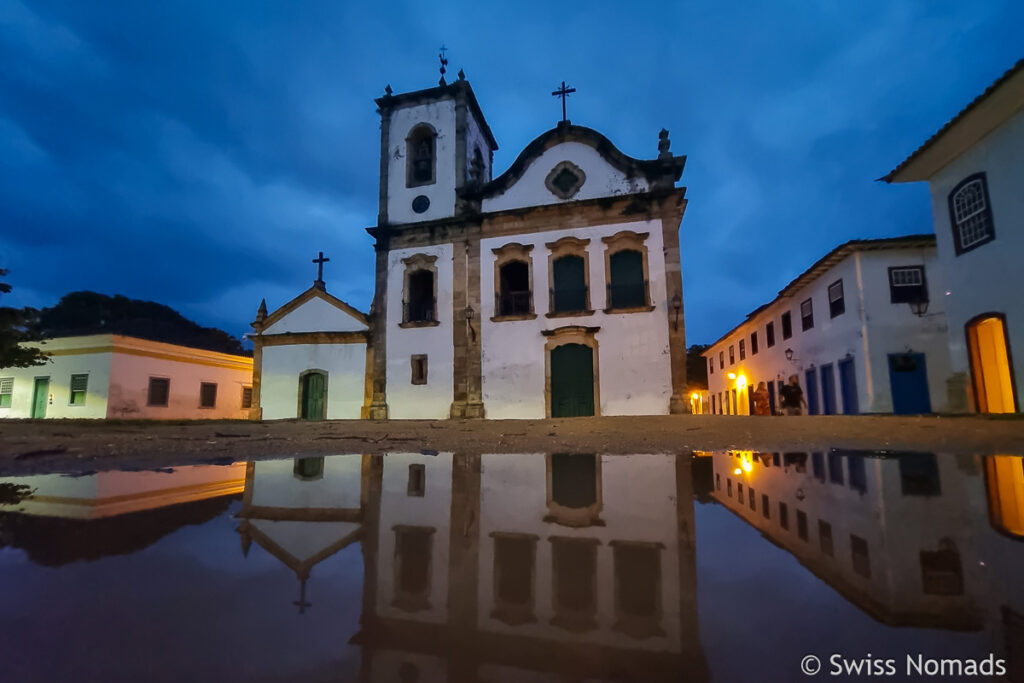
(792, 397)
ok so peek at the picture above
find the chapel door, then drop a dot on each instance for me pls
(991, 367)
(908, 380)
(572, 381)
(313, 401)
(40, 395)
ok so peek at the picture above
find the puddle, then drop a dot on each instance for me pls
(720, 566)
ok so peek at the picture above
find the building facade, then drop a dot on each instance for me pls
(551, 290)
(311, 359)
(975, 170)
(113, 376)
(863, 329)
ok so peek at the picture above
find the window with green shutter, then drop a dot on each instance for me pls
(627, 287)
(79, 385)
(6, 391)
(570, 285)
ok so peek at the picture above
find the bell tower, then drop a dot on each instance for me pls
(433, 143)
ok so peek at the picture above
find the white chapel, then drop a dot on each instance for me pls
(551, 290)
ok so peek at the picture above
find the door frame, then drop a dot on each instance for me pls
(923, 369)
(35, 392)
(975, 377)
(570, 334)
(302, 381)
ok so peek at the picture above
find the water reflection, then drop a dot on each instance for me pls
(505, 567)
(913, 539)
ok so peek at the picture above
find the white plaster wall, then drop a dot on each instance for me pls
(432, 400)
(316, 315)
(987, 278)
(302, 540)
(274, 484)
(432, 509)
(346, 378)
(129, 388)
(602, 179)
(59, 369)
(440, 115)
(633, 348)
(871, 328)
(513, 499)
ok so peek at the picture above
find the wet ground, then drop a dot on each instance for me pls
(54, 445)
(727, 565)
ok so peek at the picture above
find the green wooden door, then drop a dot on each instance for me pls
(40, 394)
(572, 381)
(313, 386)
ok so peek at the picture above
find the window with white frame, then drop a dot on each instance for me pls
(836, 301)
(806, 315)
(907, 285)
(6, 391)
(970, 214)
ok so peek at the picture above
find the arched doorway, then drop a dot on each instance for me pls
(572, 380)
(313, 395)
(991, 366)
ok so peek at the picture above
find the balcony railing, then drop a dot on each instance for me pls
(627, 295)
(568, 299)
(513, 303)
(419, 311)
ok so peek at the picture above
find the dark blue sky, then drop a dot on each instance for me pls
(199, 153)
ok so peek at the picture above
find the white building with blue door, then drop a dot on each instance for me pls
(864, 330)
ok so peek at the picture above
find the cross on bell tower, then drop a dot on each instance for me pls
(302, 603)
(563, 92)
(320, 261)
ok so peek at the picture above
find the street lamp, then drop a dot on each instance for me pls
(677, 306)
(919, 308)
(789, 354)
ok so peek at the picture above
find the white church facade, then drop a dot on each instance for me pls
(975, 170)
(552, 290)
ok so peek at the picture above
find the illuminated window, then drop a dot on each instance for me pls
(836, 302)
(907, 285)
(970, 214)
(207, 395)
(159, 390)
(787, 325)
(806, 315)
(6, 391)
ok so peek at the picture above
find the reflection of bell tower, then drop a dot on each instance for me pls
(434, 142)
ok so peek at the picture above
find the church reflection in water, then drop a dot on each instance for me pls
(913, 539)
(497, 567)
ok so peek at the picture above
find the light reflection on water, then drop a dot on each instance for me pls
(511, 567)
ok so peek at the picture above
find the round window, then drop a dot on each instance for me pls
(421, 203)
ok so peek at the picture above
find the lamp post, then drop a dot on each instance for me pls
(677, 306)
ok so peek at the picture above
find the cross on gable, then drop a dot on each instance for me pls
(320, 261)
(563, 92)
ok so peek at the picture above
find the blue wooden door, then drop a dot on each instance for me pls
(848, 386)
(908, 379)
(572, 381)
(811, 377)
(828, 390)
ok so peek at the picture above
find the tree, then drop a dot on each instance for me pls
(18, 325)
(697, 367)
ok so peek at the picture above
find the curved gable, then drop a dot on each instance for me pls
(574, 163)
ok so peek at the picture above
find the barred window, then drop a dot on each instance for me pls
(246, 397)
(159, 389)
(6, 391)
(971, 214)
(207, 395)
(836, 302)
(79, 385)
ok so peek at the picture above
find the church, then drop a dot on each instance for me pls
(551, 290)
